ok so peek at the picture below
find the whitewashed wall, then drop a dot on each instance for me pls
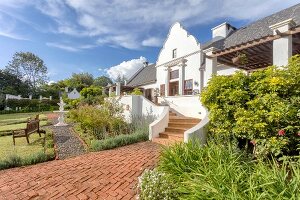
(189, 106)
(225, 70)
(137, 105)
(185, 43)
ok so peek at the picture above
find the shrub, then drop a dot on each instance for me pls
(28, 105)
(137, 91)
(101, 120)
(256, 107)
(91, 91)
(224, 172)
(16, 161)
(118, 141)
(156, 185)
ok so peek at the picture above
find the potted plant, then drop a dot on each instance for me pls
(240, 58)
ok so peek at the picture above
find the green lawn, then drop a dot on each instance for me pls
(21, 148)
(9, 122)
(39, 149)
(11, 127)
(18, 118)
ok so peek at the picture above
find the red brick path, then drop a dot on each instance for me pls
(103, 175)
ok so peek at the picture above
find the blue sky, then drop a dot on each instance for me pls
(108, 37)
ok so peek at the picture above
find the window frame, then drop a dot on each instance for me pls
(174, 53)
(188, 91)
(174, 74)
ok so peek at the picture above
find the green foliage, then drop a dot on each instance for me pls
(102, 81)
(32, 105)
(28, 67)
(12, 84)
(257, 107)
(137, 91)
(80, 81)
(156, 185)
(91, 91)
(53, 90)
(100, 120)
(39, 150)
(118, 141)
(16, 161)
(224, 172)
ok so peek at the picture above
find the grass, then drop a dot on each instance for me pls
(38, 150)
(224, 172)
(9, 122)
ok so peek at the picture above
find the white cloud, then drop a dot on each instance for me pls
(51, 82)
(62, 46)
(153, 42)
(126, 68)
(69, 47)
(134, 24)
(8, 25)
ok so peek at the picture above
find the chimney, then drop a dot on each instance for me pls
(222, 30)
(145, 64)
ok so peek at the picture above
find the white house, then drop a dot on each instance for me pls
(74, 94)
(184, 67)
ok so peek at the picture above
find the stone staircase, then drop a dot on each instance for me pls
(176, 128)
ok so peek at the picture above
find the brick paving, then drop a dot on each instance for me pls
(110, 174)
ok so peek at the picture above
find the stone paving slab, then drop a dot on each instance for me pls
(106, 175)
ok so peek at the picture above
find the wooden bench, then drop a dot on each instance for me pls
(32, 126)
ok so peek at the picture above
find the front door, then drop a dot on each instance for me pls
(173, 88)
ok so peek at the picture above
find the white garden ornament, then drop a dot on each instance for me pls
(61, 112)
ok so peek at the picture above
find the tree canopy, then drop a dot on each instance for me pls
(80, 81)
(29, 68)
(102, 81)
(11, 84)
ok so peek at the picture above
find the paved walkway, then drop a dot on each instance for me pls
(103, 175)
(67, 143)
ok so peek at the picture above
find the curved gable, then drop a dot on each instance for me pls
(178, 38)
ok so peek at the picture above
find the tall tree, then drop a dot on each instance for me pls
(121, 79)
(29, 68)
(11, 84)
(102, 81)
(80, 81)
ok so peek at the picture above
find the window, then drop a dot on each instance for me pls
(162, 90)
(174, 74)
(188, 87)
(174, 53)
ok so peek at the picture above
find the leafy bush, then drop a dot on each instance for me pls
(118, 141)
(156, 185)
(101, 120)
(137, 91)
(34, 105)
(225, 172)
(263, 107)
(16, 161)
(91, 91)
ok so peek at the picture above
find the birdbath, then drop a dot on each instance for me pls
(61, 113)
